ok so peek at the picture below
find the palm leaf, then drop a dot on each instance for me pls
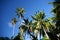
(23, 27)
(33, 17)
(26, 21)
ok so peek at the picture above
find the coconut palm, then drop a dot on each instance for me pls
(50, 24)
(23, 29)
(29, 26)
(20, 12)
(39, 16)
(56, 11)
(47, 28)
(13, 22)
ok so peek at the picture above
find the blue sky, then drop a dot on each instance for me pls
(8, 8)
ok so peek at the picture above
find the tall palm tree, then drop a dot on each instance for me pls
(29, 27)
(23, 29)
(39, 16)
(49, 27)
(13, 24)
(20, 12)
(56, 11)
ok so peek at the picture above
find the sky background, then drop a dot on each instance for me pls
(8, 11)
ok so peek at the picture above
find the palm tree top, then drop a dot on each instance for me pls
(13, 21)
(39, 15)
(20, 12)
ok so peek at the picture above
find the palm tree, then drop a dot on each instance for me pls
(49, 27)
(23, 29)
(13, 23)
(56, 11)
(39, 16)
(20, 12)
(29, 27)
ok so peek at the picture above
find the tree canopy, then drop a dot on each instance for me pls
(48, 28)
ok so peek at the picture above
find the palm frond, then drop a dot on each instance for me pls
(33, 17)
(23, 27)
(26, 21)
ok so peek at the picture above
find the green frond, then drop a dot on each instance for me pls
(33, 17)
(23, 27)
(26, 21)
(54, 9)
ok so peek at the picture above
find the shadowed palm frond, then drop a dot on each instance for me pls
(26, 21)
(23, 27)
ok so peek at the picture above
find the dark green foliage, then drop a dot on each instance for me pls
(56, 11)
(52, 36)
(26, 21)
(4, 38)
(17, 37)
(23, 27)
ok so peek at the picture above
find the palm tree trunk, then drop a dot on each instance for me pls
(34, 38)
(40, 34)
(13, 32)
(45, 33)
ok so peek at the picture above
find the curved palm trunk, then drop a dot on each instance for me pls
(22, 35)
(34, 38)
(13, 32)
(42, 32)
(45, 33)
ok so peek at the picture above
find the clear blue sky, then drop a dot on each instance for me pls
(8, 8)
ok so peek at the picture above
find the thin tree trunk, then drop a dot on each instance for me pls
(34, 38)
(45, 32)
(13, 32)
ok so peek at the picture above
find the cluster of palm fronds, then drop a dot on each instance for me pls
(48, 28)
